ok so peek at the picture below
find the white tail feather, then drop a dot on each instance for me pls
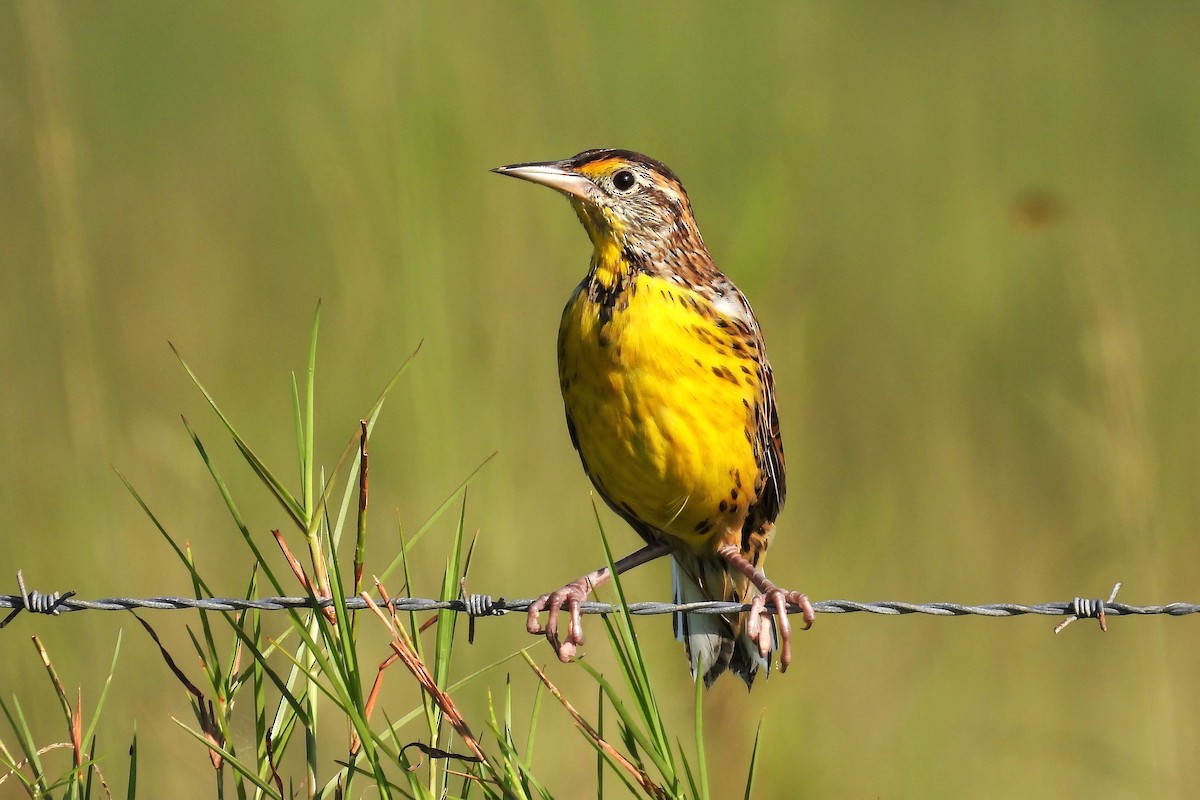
(702, 634)
(707, 636)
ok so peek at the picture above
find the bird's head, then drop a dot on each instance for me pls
(627, 201)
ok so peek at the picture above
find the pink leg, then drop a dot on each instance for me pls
(777, 597)
(575, 593)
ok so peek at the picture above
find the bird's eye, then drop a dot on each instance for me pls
(624, 180)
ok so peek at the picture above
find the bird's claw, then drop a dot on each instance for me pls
(568, 597)
(761, 634)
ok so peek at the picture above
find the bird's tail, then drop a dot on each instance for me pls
(716, 642)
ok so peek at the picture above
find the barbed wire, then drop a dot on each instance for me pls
(478, 605)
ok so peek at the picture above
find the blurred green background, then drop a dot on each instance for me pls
(971, 232)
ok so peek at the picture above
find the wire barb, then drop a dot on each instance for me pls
(1089, 609)
(481, 605)
(35, 602)
(478, 605)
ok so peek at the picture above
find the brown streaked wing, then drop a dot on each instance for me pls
(760, 517)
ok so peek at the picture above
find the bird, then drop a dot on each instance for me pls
(670, 403)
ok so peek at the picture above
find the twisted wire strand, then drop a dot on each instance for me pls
(482, 605)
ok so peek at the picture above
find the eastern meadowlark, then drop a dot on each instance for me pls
(670, 403)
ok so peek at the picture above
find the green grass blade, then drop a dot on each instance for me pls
(454, 687)
(359, 487)
(258, 698)
(437, 513)
(298, 427)
(309, 422)
(334, 689)
(20, 727)
(448, 619)
(230, 677)
(373, 413)
(502, 730)
(280, 685)
(637, 676)
(179, 552)
(754, 758)
(227, 498)
(371, 418)
(90, 732)
(344, 649)
(243, 769)
(693, 787)
(634, 725)
(350, 489)
(701, 758)
(131, 781)
(599, 730)
(535, 710)
(210, 654)
(285, 498)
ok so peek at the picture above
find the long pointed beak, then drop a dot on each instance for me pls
(553, 174)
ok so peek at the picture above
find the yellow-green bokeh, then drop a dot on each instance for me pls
(971, 232)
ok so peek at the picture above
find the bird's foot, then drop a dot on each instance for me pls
(761, 633)
(778, 600)
(568, 597)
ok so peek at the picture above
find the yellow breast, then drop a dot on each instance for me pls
(661, 393)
